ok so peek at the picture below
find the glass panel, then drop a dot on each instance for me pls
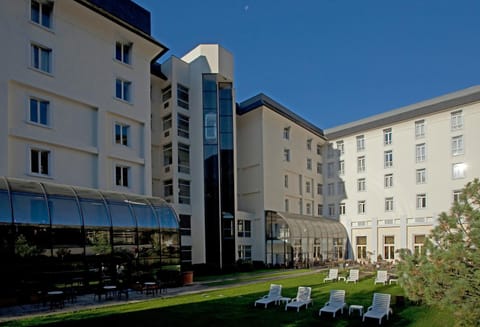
(145, 216)
(5, 210)
(121, 215)
(29, 209)
(33, 110)
(167, 217)
(64, 211)
(44, 112)
(94, 213)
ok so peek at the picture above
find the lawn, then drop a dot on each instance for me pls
(233, 306)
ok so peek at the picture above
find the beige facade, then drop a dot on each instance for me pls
(401, 169)
(59, 99)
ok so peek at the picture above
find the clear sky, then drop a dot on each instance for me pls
(332, 61)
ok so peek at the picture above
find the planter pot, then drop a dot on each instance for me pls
(187, 277)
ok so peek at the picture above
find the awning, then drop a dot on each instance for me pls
(302, 226)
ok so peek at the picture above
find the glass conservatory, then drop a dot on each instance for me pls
(52, 234)
(303, 241)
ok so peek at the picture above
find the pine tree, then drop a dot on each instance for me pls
(447, 274)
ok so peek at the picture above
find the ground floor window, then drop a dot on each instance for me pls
(245, 252)
(389, 247)
(186, 254)
(338, 248)
(418, 244)
(361, 247)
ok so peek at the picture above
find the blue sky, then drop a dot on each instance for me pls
(332, 61)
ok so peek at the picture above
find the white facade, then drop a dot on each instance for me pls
(415, 159)
(58, 97)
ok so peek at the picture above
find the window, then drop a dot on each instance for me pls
(309, 144)
(40, 162)
(244, 228)
(39, 111)
(309, 164)
(307, 187)
(388, 204)
(300, 206)
(330, 169)
(331, 210)
(167, 122)
(341, 209)
(183, 126)
(286, 133)
(167, 154)
(362, 247)
(456, 120)
(456, 196)
(341, 167)
(122, 132)
(186, 254)
(331, 189)
(458, 170)
(320, 209)
(319, 189)
(360, 143)
(361, 164)
(457, 145)
(361, 207)
(185, 225)
(122, 175)
(389, 247)
(123, 52)
(41, 58)
(183, 158)
(421, 201)
(123, 89)
(341, 187)
(387, 136)
(319, 149)
(309, 208)
(182, 96)
(361, 185)
(287, 206)
(420, 152)
(420, 128)
(183, 191)
(388, 180)
(167, 188)
(285, 181)
(341, 147)
(41, 12)
(329, 151)
(319, 168)
(388, 159)
(418, 244)
(245, 252)
(166, 93)
(286, 155)
(421, 176)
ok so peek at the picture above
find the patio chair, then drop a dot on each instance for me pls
(382, 277)
(380, 307)
(302, 299)
(335, 303)
(332, 275)
(274, 295)
(353, 276)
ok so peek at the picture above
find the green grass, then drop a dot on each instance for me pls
(233, 306)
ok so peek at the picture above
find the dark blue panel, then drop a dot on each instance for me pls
(145, 216)
(167, 217)
(5, 210)
(64, 211)
(95, 213)
(121, 215)
(30, 208)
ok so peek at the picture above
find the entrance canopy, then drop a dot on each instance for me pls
(314, 227)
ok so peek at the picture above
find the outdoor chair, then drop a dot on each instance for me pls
(380, 307)
(353, 276)
(274, 295)
(382, 277)
(335, 303)
(302, 299)
(332, 275)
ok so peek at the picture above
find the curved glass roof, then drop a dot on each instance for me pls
(96, 206)
(302, 226)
